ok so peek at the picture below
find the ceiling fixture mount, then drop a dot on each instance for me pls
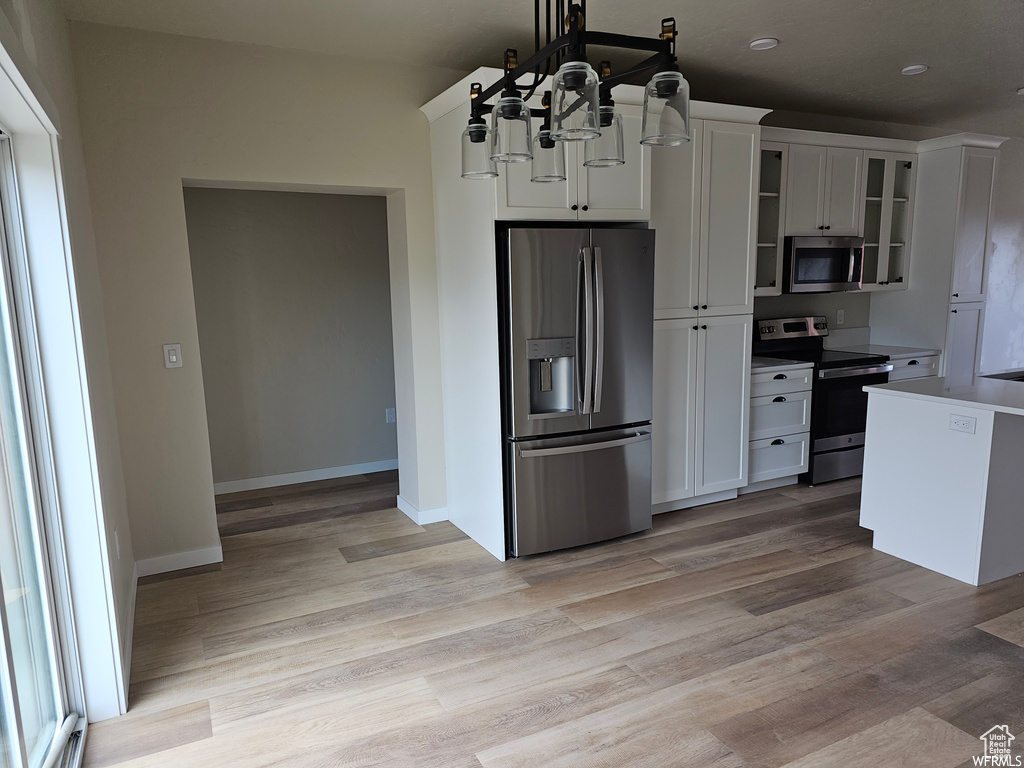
(1020, 91)
(764, 43)
(579, 106)
(914, 69)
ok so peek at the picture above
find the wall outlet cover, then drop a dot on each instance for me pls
(967, 424)
(389, 415)
(840, 316)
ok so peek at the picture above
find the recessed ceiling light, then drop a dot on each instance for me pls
(915, 69)
(1020, 91)
(764, 43)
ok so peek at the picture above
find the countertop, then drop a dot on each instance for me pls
(987, 394)
(894, 353)
(766, 364)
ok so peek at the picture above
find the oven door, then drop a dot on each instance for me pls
(840, 405)
(821, 264)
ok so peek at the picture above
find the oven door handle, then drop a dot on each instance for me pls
(841, 373)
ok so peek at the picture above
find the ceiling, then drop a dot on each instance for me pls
(837, 57)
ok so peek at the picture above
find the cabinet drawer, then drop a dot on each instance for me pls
(780, 415)
(914, 368)
(779, 457)
(769, 383)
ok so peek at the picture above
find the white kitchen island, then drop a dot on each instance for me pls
(944, 476)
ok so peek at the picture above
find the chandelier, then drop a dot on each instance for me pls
(579, 107)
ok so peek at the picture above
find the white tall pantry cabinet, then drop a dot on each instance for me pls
(944, 305)
(704, 209)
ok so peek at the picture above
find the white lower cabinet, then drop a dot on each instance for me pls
(775, 457)
(963, 342)
(920, 367)
(780, 423)
(701, 406)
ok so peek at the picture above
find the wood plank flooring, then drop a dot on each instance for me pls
(762, 632)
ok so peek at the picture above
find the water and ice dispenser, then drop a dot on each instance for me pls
(551, 375)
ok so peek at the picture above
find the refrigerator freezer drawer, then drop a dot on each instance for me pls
(572, 491)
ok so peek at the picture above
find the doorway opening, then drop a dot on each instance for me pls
(293, 309)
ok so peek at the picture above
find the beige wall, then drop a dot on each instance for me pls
(157, 109)
(292, 296)
(44, 33)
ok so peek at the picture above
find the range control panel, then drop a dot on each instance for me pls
(792, 327)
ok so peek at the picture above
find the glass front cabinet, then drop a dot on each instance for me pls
(771, 218)
(888, 212)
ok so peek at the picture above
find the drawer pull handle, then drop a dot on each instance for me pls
(780, 441)
(780, 376)
(779, 399)
(914, 362)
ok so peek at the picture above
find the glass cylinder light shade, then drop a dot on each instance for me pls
(548, 158)
(666, 111)
(510, 131)
(476, 152)
(608, 148)
(574, 103)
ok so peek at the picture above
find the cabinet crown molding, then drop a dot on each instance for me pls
(980, 140)
(457, 96)
(878, 143)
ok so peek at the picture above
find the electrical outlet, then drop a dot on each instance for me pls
(389, 415)
(117, 543)
(967, 424)
(840, 316)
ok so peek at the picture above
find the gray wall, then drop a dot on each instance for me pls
(293, 306)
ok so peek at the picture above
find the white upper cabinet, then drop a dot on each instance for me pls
(622, 192)
(843, 189)
(704, 211)
(728, 217)
(618, 193)
(888, 214)
(805, 190)
(675, 218)
(977, 177)
(824, 190)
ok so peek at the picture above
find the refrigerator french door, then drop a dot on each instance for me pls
(577, 341)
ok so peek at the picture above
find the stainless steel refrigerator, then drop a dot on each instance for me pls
(577, 334)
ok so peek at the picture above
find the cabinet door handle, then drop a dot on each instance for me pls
(781, 377)
(703, 327)
(954, 311)
(695, 307)
(780, 441)
(914, 362)
(956, 295)
(695, 327)
(575, 207)
(586, 207)
(779, 399)
(822, 227)
(703, 306)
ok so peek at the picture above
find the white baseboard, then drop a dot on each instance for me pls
(179, 561)
(765, 485)
(422, 517)
(696, 501)
(128, 633)
(308, 476)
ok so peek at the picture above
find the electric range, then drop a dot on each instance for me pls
(839, 406)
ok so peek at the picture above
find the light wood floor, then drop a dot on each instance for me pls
(758, 632)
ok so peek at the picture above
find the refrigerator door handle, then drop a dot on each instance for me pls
(536, 453)
(599, 315)
(588, 331)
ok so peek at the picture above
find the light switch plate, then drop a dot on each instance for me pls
(172, 355)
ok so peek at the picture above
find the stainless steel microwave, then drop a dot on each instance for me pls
(821, 264)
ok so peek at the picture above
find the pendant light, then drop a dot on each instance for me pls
(575, 102)
(608, 149)
(510, 121)
(476, 151)
(548, 154)
(666, 121)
